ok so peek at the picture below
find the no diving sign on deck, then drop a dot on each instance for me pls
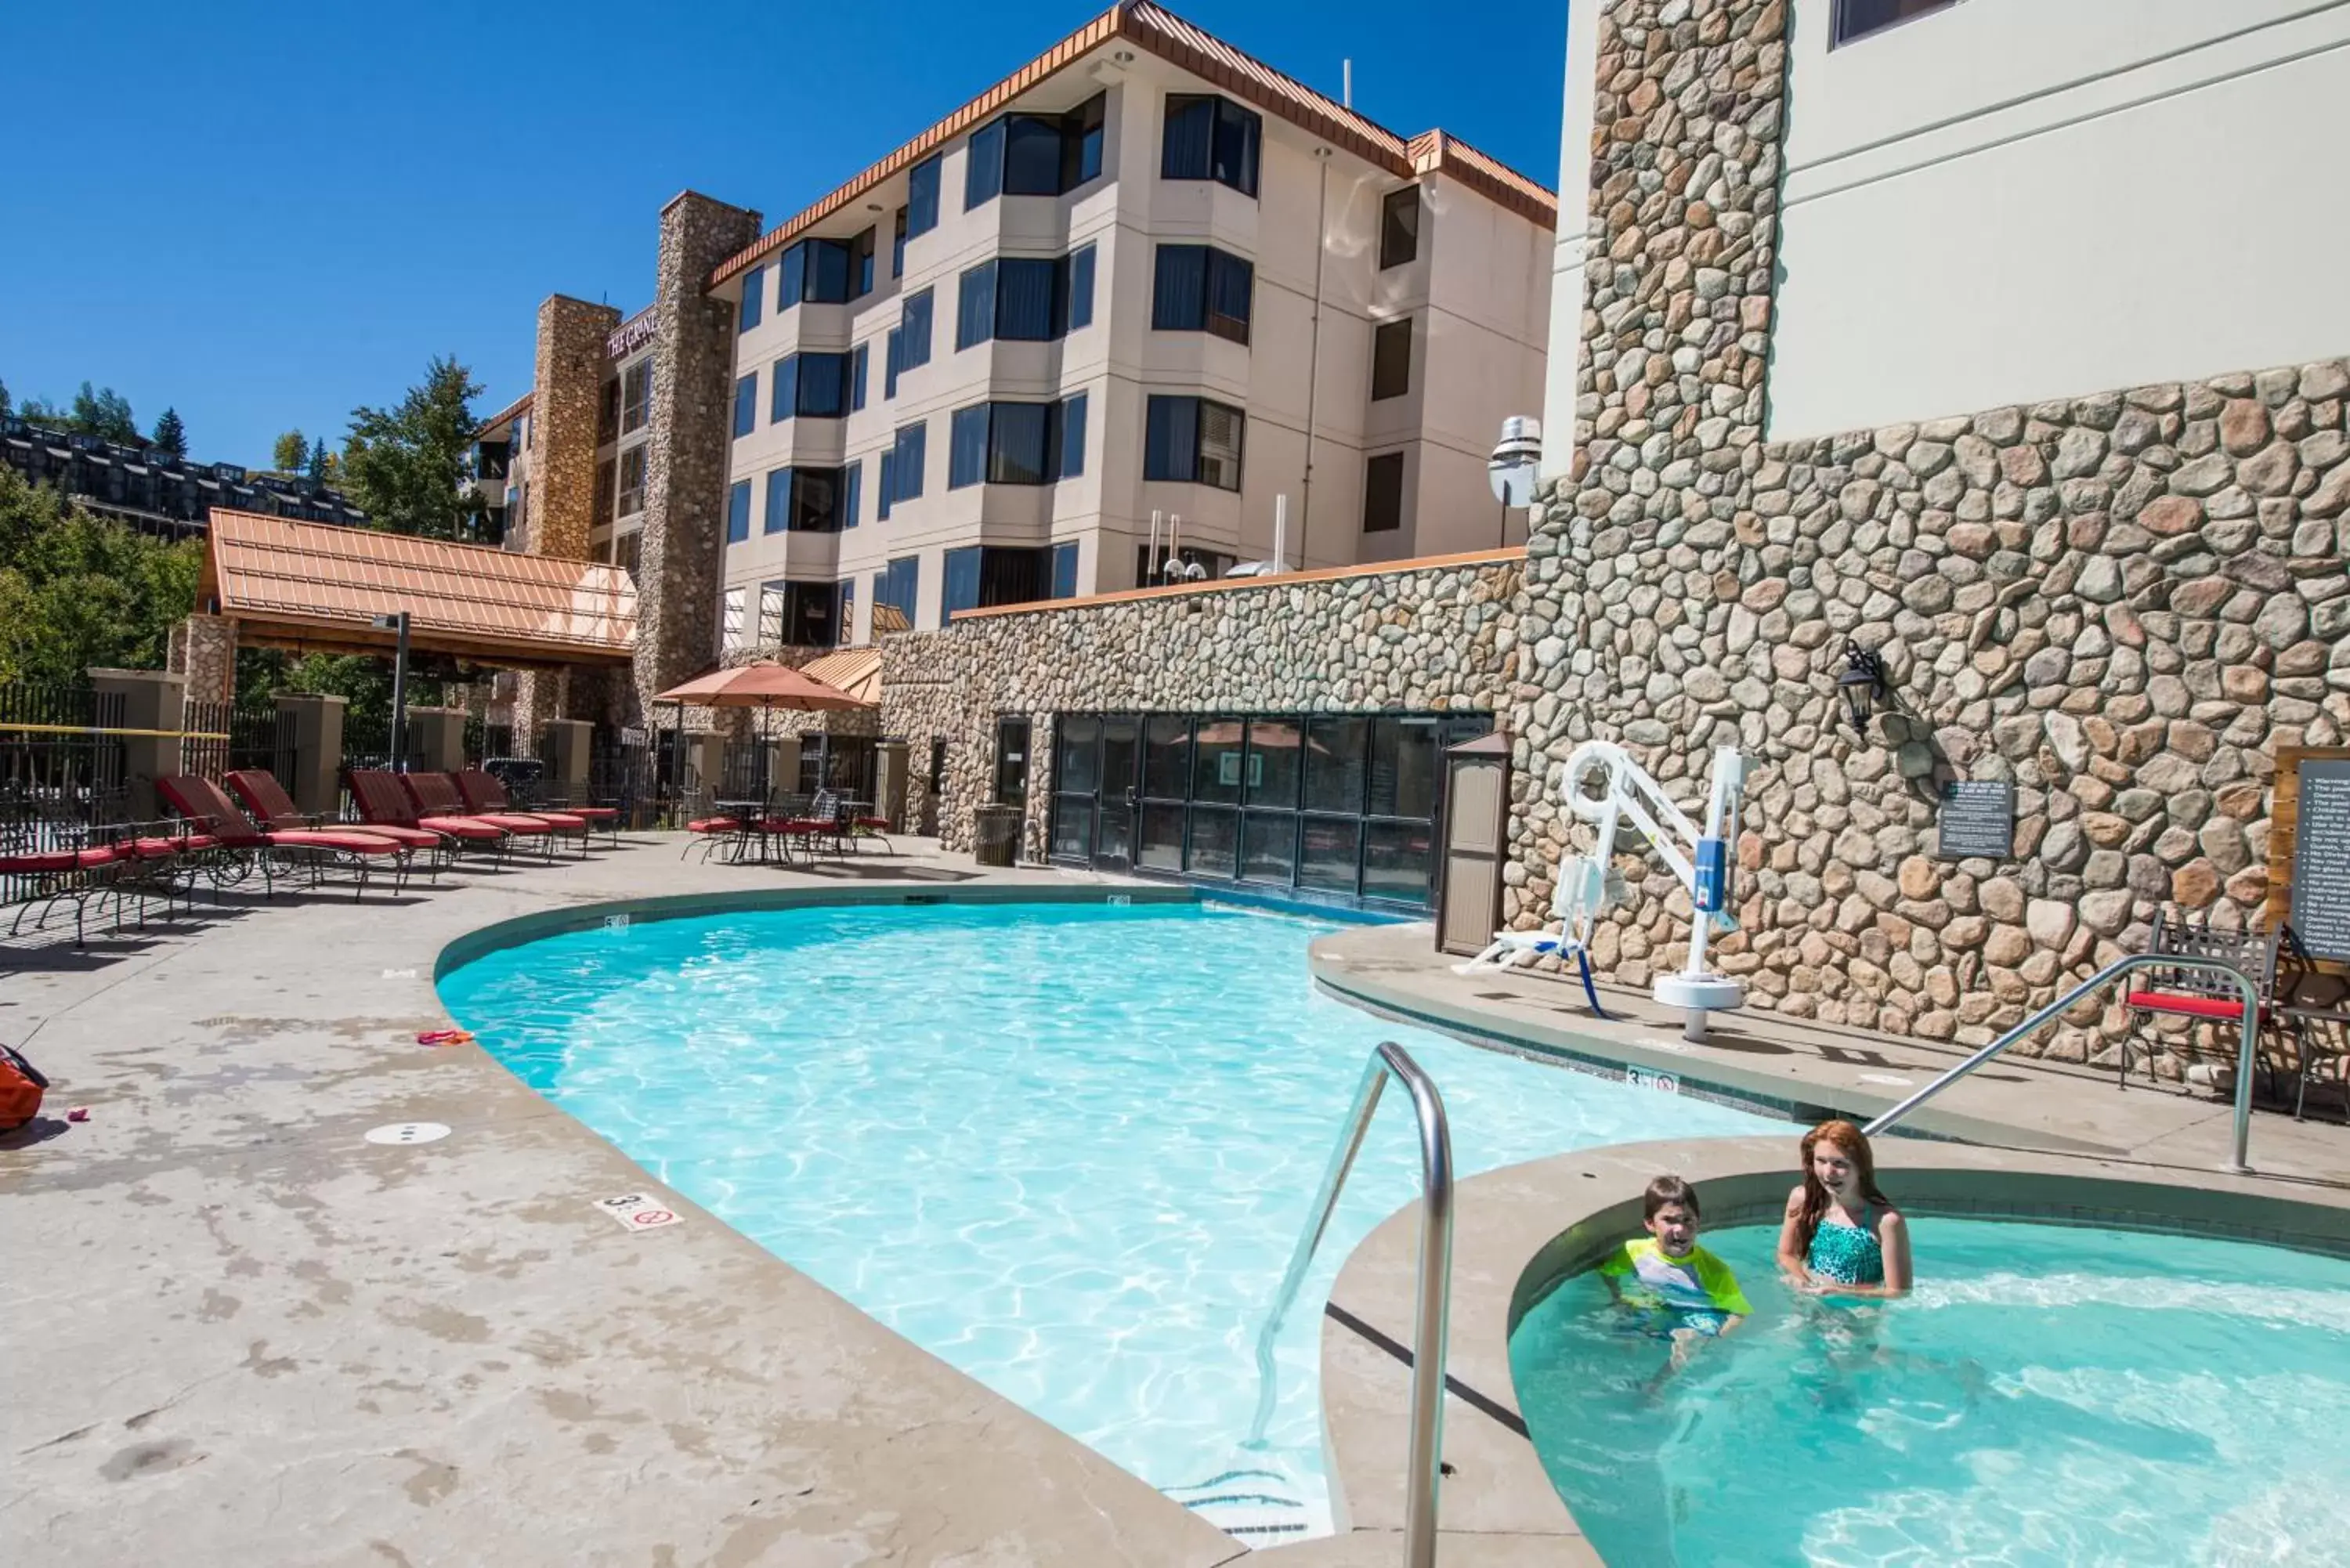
(636, 1211)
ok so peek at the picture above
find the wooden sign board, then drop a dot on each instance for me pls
(2308, 851)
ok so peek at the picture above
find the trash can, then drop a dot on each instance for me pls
(995, 834)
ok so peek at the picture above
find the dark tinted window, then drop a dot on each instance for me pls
(746, 404)
(1065, 570)
(1400, 226)
(975, 306)
(1334, 763)
(1192, 439)
(1391, 359)
(1024, 292)
(1383, 494)
(921, 214)
(982, 174)
(1031, 156)
(1081, 288)
(1209, 137)
(1859, 18)
(914, 331)
(738, 512)
(791, 277)
(754, 294)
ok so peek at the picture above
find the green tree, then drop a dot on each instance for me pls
(171, 436)
(77, 589)
(322, 462)
(290, 454)
(402, 465)
(105, 412)
(4, 400)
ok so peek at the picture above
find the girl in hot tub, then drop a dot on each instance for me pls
(1842, 1236)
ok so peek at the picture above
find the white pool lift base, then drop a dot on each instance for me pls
(1696, 996)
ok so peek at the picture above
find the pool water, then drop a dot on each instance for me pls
(2048, 1394)
(1066, 1147)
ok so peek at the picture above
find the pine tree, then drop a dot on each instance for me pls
(171, 436)
(322, 462)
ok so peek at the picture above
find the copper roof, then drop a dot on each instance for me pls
(1205, 55)
(320, 586)
(856, 671)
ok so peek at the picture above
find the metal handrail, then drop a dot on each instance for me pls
(1434, 1291)
(2096, 983)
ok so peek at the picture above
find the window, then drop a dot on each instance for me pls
(1025, 299)
(980, 576)
(799, 615)
(603, 500)
(1200, 288)
(632, 481)
(825, 272)
(861, 265)
(1016, 443)
(1012, 762)
(898, 587)
(607, 413)
(730, 618)
(921, 199)
(628, 551)
(906, 463)
(754, 295)
(852, 493)
(770, 614)
(848, 609)
(805, 500)
(738, 512)
(791, 277)
(883, 496)
(1210, 138)
(636, 395)
(914, 332)
(1193, 441)
(1859, 18)
(983, 169)
(892, 350)
(1036, 154)
(812, 385)
(1400, 227)
(1383, 494)
(1391, 359)
(746, 404)
(856, 377)
(1065, 570)
(897, 245)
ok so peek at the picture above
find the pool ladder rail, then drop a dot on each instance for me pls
(1433, 1294)
(2246, 1050)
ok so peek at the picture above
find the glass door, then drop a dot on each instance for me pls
(1121, 776)
(1077, 772)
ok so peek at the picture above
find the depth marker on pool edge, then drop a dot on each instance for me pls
(635, 1212)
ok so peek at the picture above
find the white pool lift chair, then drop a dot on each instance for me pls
(1584, 895)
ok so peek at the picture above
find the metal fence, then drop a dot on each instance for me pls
(61, 763)
(628, 768)
(219, 738)
(485, 741)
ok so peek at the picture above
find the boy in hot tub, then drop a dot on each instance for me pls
(1684, 1293)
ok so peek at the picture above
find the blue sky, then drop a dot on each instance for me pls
(264, 216)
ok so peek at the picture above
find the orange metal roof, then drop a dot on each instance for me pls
(1180, 43)
(856, 671)
(320, 586)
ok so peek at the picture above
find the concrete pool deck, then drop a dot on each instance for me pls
(239, 1332)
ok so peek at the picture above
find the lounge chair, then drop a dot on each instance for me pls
(383, 802)
(212, 816)
(438, 794)
(260, 793)
(41, 869)
(485, 797)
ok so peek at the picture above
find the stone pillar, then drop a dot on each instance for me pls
(890, 784)
(436, 739)
(567, 759)
(568, 381)
(784, 764)
(541, 698)
(204, 654)
(152, 702)
(687, 462)
(1679, 289)
(315, 780)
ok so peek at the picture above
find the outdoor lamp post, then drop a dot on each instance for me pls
(398, 622)
(1861, 684)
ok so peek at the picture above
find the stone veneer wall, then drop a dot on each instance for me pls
(1435, 638)
(2121, 602)
(692, 431)
(201, 650)
(568, 375)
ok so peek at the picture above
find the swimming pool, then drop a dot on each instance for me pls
(1066, 1147)
(2048, 1394)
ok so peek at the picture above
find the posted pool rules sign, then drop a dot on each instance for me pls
(636, 1211)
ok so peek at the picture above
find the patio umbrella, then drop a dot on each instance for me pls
(765, 686)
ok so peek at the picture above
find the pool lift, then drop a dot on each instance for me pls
(1588, 885)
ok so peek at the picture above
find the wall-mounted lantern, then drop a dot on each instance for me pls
(1862, 685)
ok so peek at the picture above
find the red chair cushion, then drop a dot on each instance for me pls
(369, 843)
(461, 827)
(2187, 1005)
(714, 825)
(592, 813)
(48, 862)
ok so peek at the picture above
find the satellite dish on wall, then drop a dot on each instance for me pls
(1515, 462)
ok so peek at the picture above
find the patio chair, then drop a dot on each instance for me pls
(485, 797)
(43, 865)
(2313, 1002)
(519, 779)
(383, 802)
(260, 793)
(438, 794)
(2198, 993)
(824, 820)
(208, 810)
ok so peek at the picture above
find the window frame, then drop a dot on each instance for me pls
(746, 404)
(1159, 462)
(1843, 32)
(1383, 334)
(754, 299)
(1232, 152)
(1217, 268)
(1399, 237)
(1372, 465)
(921, 209)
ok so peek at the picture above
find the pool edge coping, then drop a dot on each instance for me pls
(1519, 1229)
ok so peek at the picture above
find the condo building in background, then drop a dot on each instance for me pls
(1144, 291)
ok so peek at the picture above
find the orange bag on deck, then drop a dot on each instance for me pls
(20, 1090)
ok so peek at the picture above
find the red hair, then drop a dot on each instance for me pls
(1854, 1145)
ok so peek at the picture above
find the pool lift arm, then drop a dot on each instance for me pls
(1587, 886)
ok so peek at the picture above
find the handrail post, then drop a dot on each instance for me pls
(1433, 1293)
(2247, 1050)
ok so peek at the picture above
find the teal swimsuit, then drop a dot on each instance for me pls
(1847, 1254)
